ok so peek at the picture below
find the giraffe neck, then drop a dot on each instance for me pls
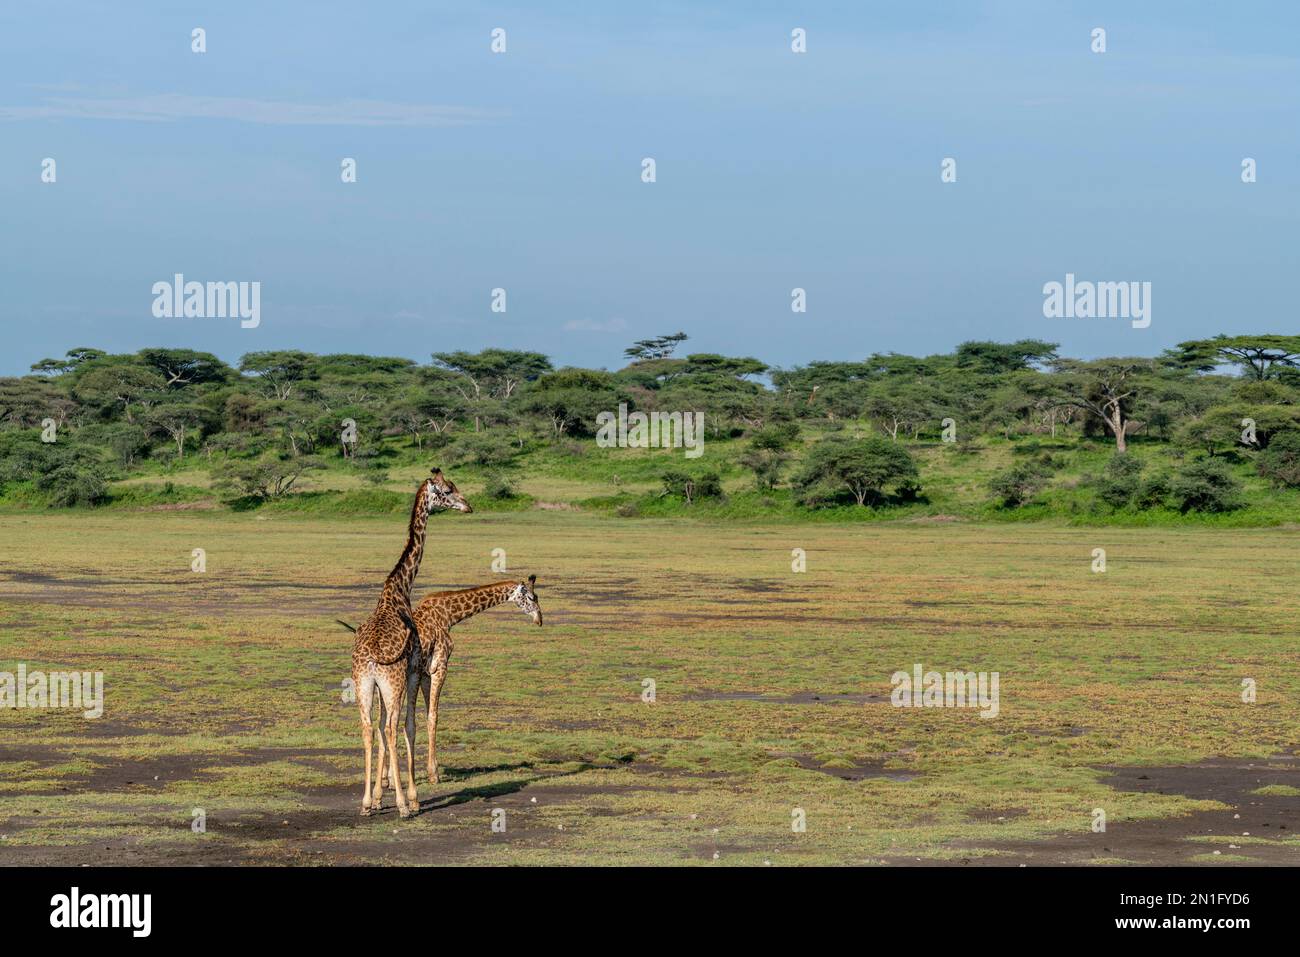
(398, 586)
(471, 601)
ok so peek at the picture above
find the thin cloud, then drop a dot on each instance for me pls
(170, 107)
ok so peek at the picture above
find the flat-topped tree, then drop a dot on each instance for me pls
(494, 372)
(113, 380)
(711, 363)
(491, 374)
(658, 347)
(177, 420)
(1260, 357)
(279, 371)
(75, 358)
(996, 358)
(1110, 389)
(182, 367)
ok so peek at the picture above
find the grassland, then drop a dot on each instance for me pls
(223, 692)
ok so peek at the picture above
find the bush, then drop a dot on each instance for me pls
(1154, 491)
(487, 449)
(67, 472)
(1280, 462)
(1120, 481)
(1016, 486)
(71, 485)
(690, 488)
(1206, 485)
(268, 477)
(128, 443)
(500, 487)
(861, 468)
(768, 453)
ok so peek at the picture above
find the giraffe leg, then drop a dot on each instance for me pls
(434, 693)
(392, 689)
(393, 774)
(408, 735)
(424, 690)
(383, 755)
(364, 689)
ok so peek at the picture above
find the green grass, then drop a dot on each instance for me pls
(626, 483)
(228, 683)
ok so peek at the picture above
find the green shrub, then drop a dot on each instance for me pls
(1206, 485)
(487, 449)
(1120, 481)
(1017, 485)
(863, 469)
(1154, 491)
(692, 488)
(128, 442)
(500, 487)
(270, 476)
(71, 485)
(1280, 462)
(768, 453)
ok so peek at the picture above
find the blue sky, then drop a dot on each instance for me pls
(522, 171)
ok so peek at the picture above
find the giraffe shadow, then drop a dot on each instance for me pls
(501, 788)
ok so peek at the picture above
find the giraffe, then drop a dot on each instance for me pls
(383, 641)
(434, 617)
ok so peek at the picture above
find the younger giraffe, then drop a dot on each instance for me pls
(384, 640)
(434, 617)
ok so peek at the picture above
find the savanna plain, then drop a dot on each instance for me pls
(225, 700)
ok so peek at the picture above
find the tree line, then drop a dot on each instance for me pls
(277, 414)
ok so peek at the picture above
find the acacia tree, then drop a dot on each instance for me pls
(862, 467)
(1261, 357)
(28, 400)
(769, 452)
(825, 388)
(109, 383)
(1109, 389)
(180, 367)
(279, 372)
(570, 399)
(177, 420)
(491, 374)
(996, 358)
(269, 476)
(660, 347)
(897, 403)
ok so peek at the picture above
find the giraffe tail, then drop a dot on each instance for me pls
(345, 625)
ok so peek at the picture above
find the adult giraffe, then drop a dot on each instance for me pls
(435, 616)
(385, 639)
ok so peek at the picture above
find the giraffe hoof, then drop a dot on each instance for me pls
(365, 812)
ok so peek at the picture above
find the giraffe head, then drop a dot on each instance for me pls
(525, 597)
(441, 492)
